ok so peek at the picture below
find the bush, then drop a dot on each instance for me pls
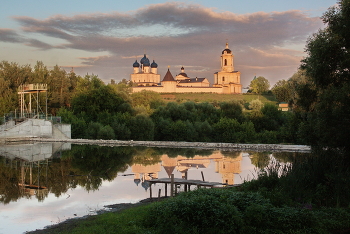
(201, 211)
(106, 133)
(231, 211)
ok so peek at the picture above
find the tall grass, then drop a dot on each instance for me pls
(323, 179)
(319, 179)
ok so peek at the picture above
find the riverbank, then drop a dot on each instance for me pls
(70, 224)
(175, 144)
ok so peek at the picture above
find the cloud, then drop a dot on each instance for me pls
(175, 34)
(9, 35)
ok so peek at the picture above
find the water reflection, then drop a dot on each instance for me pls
(34, 170)
(66, 176)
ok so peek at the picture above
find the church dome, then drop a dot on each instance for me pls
(145, 61)
(154, 65)
(136, 64)
(227, 50)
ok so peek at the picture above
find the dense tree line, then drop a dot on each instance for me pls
(100, 111)
(144, 116)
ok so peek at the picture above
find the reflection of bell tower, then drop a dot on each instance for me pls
(168, 164)
(227, 167)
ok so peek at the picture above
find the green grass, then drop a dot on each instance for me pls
(128, 221)
(214, 211)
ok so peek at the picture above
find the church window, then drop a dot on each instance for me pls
(223, 78)
(225, 62)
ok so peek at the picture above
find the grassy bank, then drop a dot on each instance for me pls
(311, 196)
(212, 211)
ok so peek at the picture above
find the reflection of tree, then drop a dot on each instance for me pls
(187, 152)
(286, 157)
(93, 164)
(84, 165)
(9, 189)
(231, 154)
(260, 159)
(146, 156)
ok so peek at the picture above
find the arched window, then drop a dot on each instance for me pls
(225, 62)
(223, 78)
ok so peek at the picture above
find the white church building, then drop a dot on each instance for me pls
(226, 81)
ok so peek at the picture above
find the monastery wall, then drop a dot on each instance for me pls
(162, 89)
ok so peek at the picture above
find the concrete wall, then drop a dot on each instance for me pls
(33, 152)
(36, 128)
(28, 152)
(64, 131)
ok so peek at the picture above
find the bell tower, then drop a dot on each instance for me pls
(227, 60)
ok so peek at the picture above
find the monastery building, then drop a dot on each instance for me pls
(226, 81)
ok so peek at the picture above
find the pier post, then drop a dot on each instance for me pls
(159, 194)
(166, 189)
(150, 191)
(172, 186)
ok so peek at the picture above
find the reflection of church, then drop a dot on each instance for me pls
(226, 166)
(145, 173)
(146, 77)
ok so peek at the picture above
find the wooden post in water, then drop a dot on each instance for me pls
(159, 194)
(185, 184)
(172, 186)
(166, 189)
(150, 191)
(202, 176)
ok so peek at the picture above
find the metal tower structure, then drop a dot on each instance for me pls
(31, 90)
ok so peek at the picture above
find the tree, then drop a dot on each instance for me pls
(142, 128)
(255, 105)
(327, 66)
(282, 91)
(259, 85)
(232, 109)
(95, 98)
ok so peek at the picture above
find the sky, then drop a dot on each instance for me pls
(105, 38)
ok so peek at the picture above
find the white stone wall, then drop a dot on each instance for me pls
(28, 152)
(35, 128)
(65, 129)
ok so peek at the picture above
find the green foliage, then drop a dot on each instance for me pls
(196, 212)
(146, 98)
(142, 128)
(106, 133)
(183, 131)
(229, 211)
(327, 68)
(231, 131)
(92, 102)
(259, 85)
(321, 178)
(255, 105)
(78, 125)
(93, 129)
(282, 91)
(231, 110)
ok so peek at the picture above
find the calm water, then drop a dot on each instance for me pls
(44, 184)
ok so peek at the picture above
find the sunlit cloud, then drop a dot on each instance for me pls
(172, 33)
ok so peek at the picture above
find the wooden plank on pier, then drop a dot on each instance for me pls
(186, 182)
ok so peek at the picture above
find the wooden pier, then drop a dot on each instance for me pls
(174, 182)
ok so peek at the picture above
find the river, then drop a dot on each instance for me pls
(46, 183)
